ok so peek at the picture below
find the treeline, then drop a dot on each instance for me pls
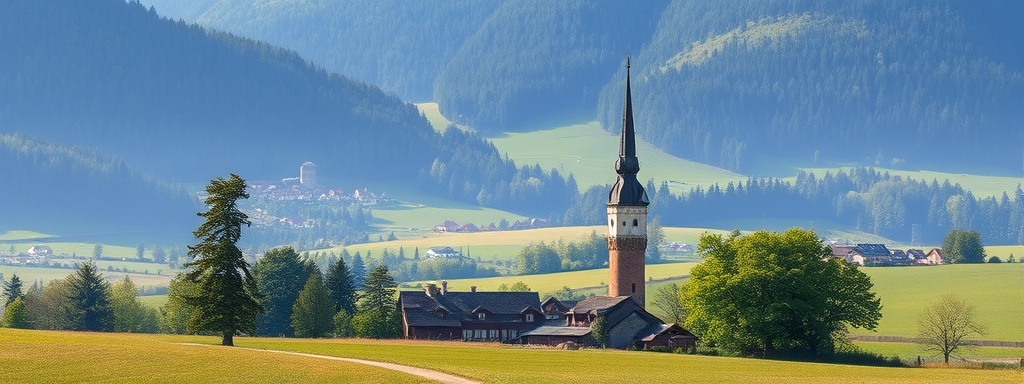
(324, 225)
(876, 82)
(470, 169)
(540, 258)
(890, 206)
(45, 181)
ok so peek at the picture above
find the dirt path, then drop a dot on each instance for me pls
(440, 377)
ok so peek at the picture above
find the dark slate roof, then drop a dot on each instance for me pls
(873, 250)
(421, 309)
(916, 254)
(558, 331)
(597, 303)
(841, 250)
(654, 330)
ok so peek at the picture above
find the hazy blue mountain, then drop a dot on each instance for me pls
(66, 190)
(917, 84)
(397, 45)
(190, 104)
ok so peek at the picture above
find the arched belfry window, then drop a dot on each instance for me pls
(635, 223)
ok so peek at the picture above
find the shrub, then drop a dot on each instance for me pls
(995, 260)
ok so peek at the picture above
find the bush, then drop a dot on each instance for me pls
(995, 260)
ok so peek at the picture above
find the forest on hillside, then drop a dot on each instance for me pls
(929, 84)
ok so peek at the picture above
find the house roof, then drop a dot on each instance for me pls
(597, 304)
(614, 308)
(652, 331)
(548, 330)
(422, 310)
(916, 254)
(841, 250)
(441, 250)
(873, 250)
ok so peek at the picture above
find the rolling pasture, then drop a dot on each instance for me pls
(53, 357)
(589, 153)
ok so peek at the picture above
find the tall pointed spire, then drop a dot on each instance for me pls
(627, 190)
(627, 141)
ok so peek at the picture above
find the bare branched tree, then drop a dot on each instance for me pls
(947, 325)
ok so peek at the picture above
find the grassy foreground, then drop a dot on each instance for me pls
(45, 356)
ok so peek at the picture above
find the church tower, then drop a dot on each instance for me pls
(627, 215)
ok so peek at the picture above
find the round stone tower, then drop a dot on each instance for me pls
(307, 174)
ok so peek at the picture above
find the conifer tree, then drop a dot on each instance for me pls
(12, 290)
(227, 300)
(313, 312)
(378, 313)
(342, 287)
(358, 270)
(89, 296)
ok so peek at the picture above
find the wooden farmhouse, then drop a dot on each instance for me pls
(935, 256)
(628, 324)
(434, 314)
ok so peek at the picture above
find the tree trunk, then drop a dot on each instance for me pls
(228, 338)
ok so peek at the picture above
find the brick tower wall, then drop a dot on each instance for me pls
(626, 267)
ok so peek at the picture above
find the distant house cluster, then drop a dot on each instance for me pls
(442, 253)
(878, 255)
(520, 317)
(452, 226)
(36, 255)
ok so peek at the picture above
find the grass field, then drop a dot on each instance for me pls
(503, 245)
(908, 352)
(81, 250)
(47, 357)
(29, 275)
(996, 289)
(22, 235)
(588, 152)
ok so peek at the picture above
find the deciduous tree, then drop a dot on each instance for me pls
(769, 292)
(130, 314)
(962, 246)
(227, 300)
(667, 298)
(16, 315)
(280, 275)
(947, 325)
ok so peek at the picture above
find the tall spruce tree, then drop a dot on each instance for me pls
(280, 275)
(358, 269)
(342, 287)
(12, 290)
(378, 313)
(313, 312)
(89, 297)
(227, 299)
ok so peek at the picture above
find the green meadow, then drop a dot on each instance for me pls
(588, 152)
(22, 235)
(908, 352)
(58, 357)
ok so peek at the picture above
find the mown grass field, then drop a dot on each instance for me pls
(908, 352)
(81, 250)
(22, 235)
(30, 275)
(996, 289)
(48, 357)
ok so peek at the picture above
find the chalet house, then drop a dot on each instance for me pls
(555, 309)
(841, 251)
(446, 226)
(40, 251)
(870, 255)
(935, 256)
(917, 257)
(628, 325)
(467, 228)
(899, 257)
(442, 253)
(435, 314)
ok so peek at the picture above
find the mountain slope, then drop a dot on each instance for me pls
(875, 82)
(397, 45)
(190, 104)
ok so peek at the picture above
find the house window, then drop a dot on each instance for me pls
(478, 334)
(481, 316)
(529, 317)
(493, 334)
(467, 334)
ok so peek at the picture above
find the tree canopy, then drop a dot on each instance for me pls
(89, 296)
(280, 275)
(227, 299)
(776, 292)
(962, 246)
